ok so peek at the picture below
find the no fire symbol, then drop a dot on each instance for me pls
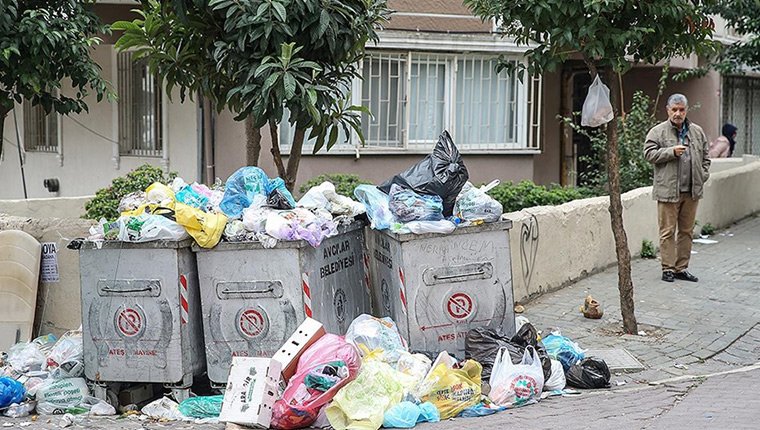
(251, 323)
(129, 322)
(459, 306)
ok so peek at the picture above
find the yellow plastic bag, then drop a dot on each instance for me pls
(452, 390)
(362, 403)
(205, 227)
(158, 197)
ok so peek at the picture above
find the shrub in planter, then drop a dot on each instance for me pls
(105, 204)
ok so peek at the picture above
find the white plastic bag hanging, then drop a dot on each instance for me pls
(597, 109)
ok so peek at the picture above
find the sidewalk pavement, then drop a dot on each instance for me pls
(709, 326)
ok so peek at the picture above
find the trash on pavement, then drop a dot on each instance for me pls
(441, 173)
(362, 403)
(202, 406)
(55, 396)
(11, 391)
(452, 389)
(408, 414)
(556, 380)
(591, 372)
(66, 359)
(516, 384)
(323, 369)
(304, 337)
(563, 349)
(482, 409)
(526, 336)
(163, 409)
(21, 410)
(252, 390)
(26, 356)
(592, 309)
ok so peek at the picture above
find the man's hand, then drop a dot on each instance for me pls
(679, 149)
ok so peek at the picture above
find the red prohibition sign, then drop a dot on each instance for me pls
(251, 323)
(129, 322)
(459, 306)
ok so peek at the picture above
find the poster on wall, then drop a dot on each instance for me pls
(49, 263)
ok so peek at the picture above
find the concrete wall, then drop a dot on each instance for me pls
(555, 245)
(87, 157)
(58, 303)
(60, 207)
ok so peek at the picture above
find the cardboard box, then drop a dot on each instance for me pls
(252, 389)
(307, 333)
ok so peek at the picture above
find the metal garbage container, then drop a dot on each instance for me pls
(437, 287)
(141, 314)
(254, 298)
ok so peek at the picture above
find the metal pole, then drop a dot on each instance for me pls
(20, 158)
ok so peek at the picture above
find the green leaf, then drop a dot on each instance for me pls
(279, 10)
(290, 85)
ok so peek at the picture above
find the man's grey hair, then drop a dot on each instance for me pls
(677, 99)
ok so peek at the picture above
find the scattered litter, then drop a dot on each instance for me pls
(681, 366)
(642, 333)
(705, 241)
(519, 309)
(619, 383)
(591, 308)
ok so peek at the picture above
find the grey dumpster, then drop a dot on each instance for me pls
(254, 298)
(437, 287)
(141, 314)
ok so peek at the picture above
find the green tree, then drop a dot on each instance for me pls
(744, 17)
(609, 35)
(41, 44)
(261, 57)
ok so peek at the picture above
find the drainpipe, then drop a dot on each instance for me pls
(208, 142)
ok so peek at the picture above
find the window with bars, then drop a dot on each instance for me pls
(741, 107)
(40, 129)
(140, 101)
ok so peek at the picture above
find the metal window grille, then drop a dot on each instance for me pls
(741, 107)
(413, 96)
(139, 108)
(40, 129)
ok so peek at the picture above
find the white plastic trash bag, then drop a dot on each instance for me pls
(557, 379)
(163, 408)
(146, 228)
(516, 384)
(66, 360)
(597, 109)
(378, 337)
(54, 396)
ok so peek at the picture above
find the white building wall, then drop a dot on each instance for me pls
(88, 158)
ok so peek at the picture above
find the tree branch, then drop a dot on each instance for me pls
(252, 142)
(295, 158)
(276, 150)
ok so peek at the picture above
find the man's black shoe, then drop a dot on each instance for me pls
(686, 276)
(668, 276)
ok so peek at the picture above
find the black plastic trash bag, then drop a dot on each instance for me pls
(441, 173)
(278, 200)
(482, 344)
(528, 335)
(591, 372)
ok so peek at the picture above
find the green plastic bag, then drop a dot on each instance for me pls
(362, 403)
(202, 407)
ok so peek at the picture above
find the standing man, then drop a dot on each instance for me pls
(678, 150)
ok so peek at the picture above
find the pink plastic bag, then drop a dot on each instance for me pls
(323, 369)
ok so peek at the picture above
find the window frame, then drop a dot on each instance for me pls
(126, 143)
(26, 105)
(527, 115)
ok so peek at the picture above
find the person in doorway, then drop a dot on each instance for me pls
(724, 145)
(678, 149)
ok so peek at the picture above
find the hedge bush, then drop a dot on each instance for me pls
(526, 194)
(344, 183)
(105, 204)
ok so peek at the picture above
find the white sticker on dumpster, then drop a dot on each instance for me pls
(49, 263)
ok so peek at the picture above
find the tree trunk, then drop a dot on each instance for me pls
(276, 155)
(625, 283)
(295, 158)
(252, 142)
(3, 115)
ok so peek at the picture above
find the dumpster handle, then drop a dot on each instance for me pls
(460, 275)
(134, 290)
(268, 290)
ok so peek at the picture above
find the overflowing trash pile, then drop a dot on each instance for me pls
(46, 377)
(432, 196)
(370, 379)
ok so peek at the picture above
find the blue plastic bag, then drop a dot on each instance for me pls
(190, 197)
(202, 407)
(406, 205)
(406, 415)
(11, 391)
(376, 203)
(563, 349)
(246, 183)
